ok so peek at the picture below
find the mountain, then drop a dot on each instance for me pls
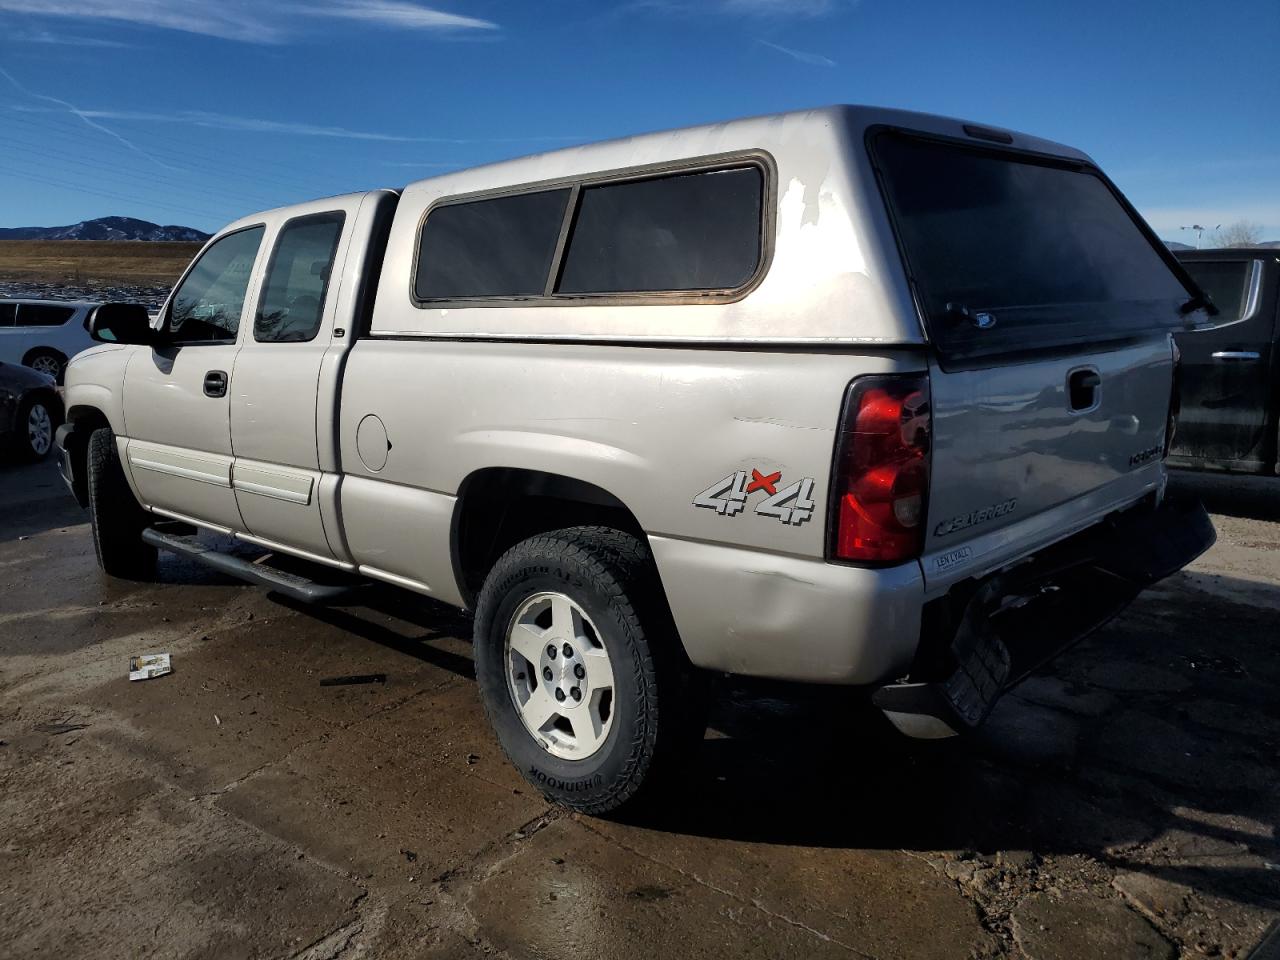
(105, 228)
(1175, 245)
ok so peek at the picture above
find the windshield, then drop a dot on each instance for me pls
(1011, 252)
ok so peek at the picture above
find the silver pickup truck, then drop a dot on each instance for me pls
(846, 396)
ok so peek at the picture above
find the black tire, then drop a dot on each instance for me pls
(33, 447)
(47, 360)
(611, 576)
(117, 519)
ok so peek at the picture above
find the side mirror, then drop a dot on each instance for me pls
(121, 323)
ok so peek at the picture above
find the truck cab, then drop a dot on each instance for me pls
(1230, 372)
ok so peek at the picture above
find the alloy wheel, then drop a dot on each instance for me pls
(559, 676)
(39, 429)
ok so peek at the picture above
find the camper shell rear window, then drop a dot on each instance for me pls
(1010, 251)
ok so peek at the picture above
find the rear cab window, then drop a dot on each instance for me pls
(1009, 251)
(297, 279)
(698, 232)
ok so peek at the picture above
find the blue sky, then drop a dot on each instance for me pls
(198, 111)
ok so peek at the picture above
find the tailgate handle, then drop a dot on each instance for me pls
(1083, 387)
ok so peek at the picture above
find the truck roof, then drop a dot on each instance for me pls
(768, 131)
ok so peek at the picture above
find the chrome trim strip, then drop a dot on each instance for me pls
(191, 520)
(303, 554)
(1236, 355)
(394, 578)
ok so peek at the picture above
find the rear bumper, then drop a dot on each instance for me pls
(983, 637)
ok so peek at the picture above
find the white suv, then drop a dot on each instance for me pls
(43, 334)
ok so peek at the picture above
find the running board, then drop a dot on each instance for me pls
(290, 584)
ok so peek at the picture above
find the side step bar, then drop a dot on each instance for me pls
(290, 584)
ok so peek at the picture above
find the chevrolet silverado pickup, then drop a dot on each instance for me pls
(845, 396)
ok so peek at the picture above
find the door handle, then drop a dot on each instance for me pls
(1236, 355)
(215, 383)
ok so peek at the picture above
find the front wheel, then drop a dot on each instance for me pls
(117, 518)
(37, 420)
(579, 667)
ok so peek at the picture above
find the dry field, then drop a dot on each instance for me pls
(83, 261)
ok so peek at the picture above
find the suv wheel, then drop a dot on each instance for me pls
(579, 666)
(48, 362)
(118, 520)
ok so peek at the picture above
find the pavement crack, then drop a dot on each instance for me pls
(332, 945)
(752, 901)
(520, 834)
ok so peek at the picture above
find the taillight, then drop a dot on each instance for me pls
(1175, 398)
(880, 479)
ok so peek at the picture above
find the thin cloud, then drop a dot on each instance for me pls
(228, 20)
(246, 21)
(224, 121)
(394, 13)
(813, 59)
(66, 40)
(85, 117)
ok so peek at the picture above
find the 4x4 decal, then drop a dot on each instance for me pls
(728, 497)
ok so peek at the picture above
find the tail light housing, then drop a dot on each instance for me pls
(1175, 398)
(880, 473)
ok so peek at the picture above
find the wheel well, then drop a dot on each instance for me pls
(500, 506)
(87, 420)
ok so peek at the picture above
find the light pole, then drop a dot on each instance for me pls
(1199, 231)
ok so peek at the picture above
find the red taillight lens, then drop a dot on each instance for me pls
(881, 477)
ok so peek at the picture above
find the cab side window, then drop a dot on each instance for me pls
(1227, 284)
(298, 279)
(206, 306)
(8, 314)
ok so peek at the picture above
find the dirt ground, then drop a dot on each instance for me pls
(1122, 806)
(84, 261)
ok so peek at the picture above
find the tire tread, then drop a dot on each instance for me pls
(619, 565)
(116, 518)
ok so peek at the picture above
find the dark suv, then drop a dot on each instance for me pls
(1230, 416)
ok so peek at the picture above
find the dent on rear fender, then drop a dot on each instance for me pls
(762, 614)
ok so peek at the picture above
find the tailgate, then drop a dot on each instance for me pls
(1028, 446)
(1049, 305)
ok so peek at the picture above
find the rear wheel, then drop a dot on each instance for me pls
(118, 520)
(580, 669)
(48, 361)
